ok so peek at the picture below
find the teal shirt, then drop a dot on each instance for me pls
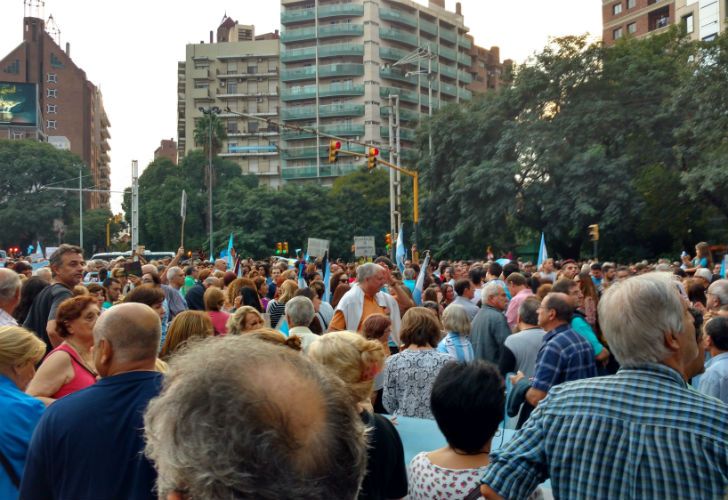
(580, 326)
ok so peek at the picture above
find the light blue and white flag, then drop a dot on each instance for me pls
(301, 280)
(400, 253)
(327, 279)
(230, 261)
(420, 283)
(542, 253)
(723, 266)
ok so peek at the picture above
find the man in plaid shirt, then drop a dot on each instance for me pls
(642, 433)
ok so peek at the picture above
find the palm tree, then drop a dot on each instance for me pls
(202, 133)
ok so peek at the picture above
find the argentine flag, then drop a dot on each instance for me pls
(542, 253)
(401, 253)
(420, 283)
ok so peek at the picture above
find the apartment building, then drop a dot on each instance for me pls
(340, 62)
(70, 109)
(237, 73)
(701, 19)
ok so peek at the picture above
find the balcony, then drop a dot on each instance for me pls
(293, 55)
(203, 93)
(392, 54)
(201, 74)
(341, 29)
(341, 49)
(446, 88)
(658, 18)
(296, 35)
(428, 27)
(232, 151)
(338, 129)
(295, 153)
(449, 71)
(447, 53)
(398, 36)
(465, 43)
(464, 59)
(332, 90)
(404, 95)
(406, 134)
(324, 111)
(296, 15)
(465, 77)
(253, 73)
(346, 9)
(397, 74)
(406, 115)
(448, 35)
(465, 94)
(398, 16)
(306, 172)
(327, 70)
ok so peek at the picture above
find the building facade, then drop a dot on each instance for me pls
(340, 62)
(237, 73)
(70, 108)
(167, 149)
(701, 19)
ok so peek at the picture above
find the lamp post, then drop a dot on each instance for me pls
(210, 111)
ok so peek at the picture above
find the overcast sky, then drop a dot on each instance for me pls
(130, 49)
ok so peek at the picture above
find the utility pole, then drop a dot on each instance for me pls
(134, 205)
(210, 111)
(395, 183)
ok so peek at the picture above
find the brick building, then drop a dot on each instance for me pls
(167, 149)
(71, 109)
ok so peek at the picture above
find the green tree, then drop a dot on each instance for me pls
(94, 230)
(209, 128)
(28, 212)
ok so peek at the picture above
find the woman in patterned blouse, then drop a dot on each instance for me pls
(408, 375)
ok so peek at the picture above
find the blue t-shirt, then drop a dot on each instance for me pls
(89, 444)
(20, 414)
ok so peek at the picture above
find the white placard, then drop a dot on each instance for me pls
(364, 246)
(317, 247)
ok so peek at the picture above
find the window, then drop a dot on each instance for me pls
(617, 8)
(253, 127)
(52, 92)
(52, 108)
(632, 28)
(50, 124)
(52, 78)
(617, 34)
(688, 23)
(232, 127)
(631, 4)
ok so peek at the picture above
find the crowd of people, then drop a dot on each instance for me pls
(187, 379)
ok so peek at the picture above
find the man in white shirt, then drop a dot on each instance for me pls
(299, 314)
(9, 296)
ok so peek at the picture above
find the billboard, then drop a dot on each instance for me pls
(18, 104)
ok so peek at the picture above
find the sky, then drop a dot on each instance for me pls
(130, 49)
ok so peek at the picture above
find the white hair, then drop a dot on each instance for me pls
(720, 289)
(9, 285)
(489, 290)
(367, 271)
(456, 319)
(300, 311)
(635, 315)
(173, 272)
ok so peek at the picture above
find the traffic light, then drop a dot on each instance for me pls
(285, 248)
(372, 154)
(279, 248)
(594, 232)
(388, 241)
(334, 147)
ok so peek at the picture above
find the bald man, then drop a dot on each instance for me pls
(90, 444)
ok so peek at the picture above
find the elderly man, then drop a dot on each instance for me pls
(365, 299)
(717, 298)
(173, 291)
(220, 265)
(299, 314)
(67, 267)
(9, 296)
(277, 425)
(89, 444)
(642, 433)
(490, 328)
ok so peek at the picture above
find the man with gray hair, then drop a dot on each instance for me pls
(276, 425)
(299, 314)
(9, 296)
(176, 301)
(364, 299)
(490, 327)
(717, 295)
(89, 444)
(642, 433)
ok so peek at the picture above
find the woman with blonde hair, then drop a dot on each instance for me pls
(356, 361)
(456, 341)
(20, 351)
(214, 300)
(69, 367)
(277, 307)
(245, 319)
(185, 326)
(275, 337)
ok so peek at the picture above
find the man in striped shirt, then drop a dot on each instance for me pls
(641, 433)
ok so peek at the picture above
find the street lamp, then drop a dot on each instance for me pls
(213, 110)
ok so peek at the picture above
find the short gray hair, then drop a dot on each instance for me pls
(219, 443)
(455, 319)
(720, 289)
(9, 285)
(300, 311)
(489, 290)
(636, 313)
(367, 271)
(173, 272)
